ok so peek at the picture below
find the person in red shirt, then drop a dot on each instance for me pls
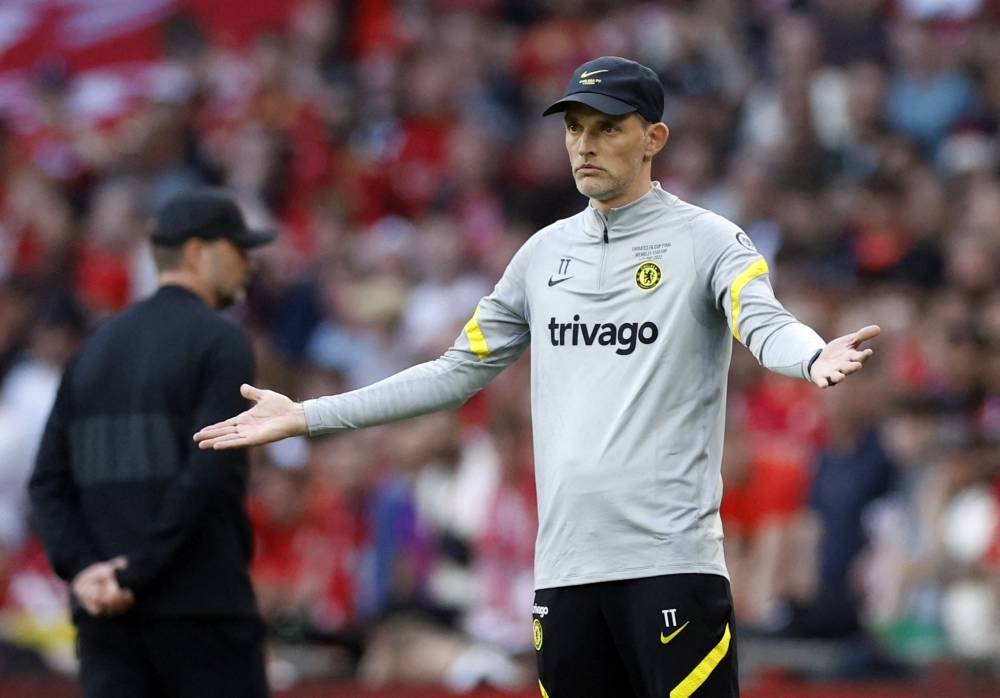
(306, 541)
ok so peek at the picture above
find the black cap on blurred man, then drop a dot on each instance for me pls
(206, 213)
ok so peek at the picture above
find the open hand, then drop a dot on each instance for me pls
(272, 418)
(842, 357)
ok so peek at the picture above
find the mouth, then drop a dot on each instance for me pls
(588, 169)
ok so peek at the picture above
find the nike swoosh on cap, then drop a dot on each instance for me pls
(664, 639)
(587, 74)
(553, 282)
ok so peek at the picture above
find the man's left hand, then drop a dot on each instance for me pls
(842, 357)
(97, 590)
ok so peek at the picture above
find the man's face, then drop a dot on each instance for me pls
(226, 271)
(605, 152)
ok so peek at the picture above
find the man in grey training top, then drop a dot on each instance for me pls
(628, 307)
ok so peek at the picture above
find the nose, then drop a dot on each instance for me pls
(583, 146)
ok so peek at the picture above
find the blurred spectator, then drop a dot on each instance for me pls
(852, 471)
(307, 542)
(926, 94)
(445, 285)
(423, 534)
(26, 397)
(503, 551)
(114, 262)
(763, 497)
(34, 611)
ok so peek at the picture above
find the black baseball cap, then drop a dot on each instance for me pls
(615, 86)
(207, 213)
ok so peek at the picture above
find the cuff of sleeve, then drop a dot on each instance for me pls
(314, 421)
(809, 365)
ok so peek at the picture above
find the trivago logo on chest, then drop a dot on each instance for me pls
(625, 336)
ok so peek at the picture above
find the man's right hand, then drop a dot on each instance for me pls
(272, 418)
(96, 588)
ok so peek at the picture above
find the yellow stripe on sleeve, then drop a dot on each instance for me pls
(542, 689)
(477, 342)
(749, 274)
(700, 673)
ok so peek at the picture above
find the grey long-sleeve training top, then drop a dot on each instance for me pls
(629, 318)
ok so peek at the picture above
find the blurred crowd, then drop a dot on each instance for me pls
(398, 149)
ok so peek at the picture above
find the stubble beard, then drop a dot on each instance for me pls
(225, 298)
(597, 190)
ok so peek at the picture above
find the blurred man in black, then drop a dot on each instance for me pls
(149, 529)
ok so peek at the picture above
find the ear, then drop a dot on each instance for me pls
(191, 251)
(656, 137)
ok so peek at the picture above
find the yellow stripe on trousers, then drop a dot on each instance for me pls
(700, 673)
(477, 342)
(749, 274)
(542, 689)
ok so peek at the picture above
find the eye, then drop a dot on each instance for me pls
(610, 128)
(572, 126)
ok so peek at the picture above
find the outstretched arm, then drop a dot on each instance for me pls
(444, 383)
(740, 284)
(273, 417)
(842, 357)
(491, 340)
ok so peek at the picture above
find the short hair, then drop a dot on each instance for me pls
(167, 257)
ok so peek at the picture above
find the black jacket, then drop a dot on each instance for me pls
(117, 470)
